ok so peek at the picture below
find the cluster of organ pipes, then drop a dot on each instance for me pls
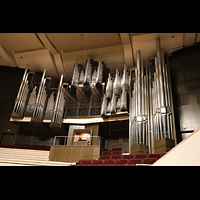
(39, 102)
(40, 99)
(59, 105)
(34, 105)
(88, 77)
(161, 100)
(22, 94)
(115, 97)
(31, 101)
(159, 89)
(139, 114)
(50, 106)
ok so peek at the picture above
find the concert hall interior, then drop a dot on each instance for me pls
(99, 99)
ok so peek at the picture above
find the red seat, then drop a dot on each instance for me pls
(154, 156)
(97, 162)
(85, 162)
(140, 155)
(134, 161)
(116, 152)
(149, 160)
(105, 157)
(122, 162)
(110, 162)
(128, 157)
(117, 156)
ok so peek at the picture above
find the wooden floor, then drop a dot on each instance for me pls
(27, 157)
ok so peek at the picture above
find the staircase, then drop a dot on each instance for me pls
(27, 157)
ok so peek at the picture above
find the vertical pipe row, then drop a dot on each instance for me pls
(162, 123)
(161, 117)
(139, 104)
(20, 101)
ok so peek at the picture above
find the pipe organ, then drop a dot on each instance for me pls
(151, 114)
(147, 88)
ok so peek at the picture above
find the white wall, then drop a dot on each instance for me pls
(186, 153)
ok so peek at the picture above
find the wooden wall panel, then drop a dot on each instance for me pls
(68, 153)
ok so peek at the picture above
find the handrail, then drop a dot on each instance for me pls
(89, 139)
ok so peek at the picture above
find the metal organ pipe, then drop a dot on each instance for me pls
(40, 100)
(162, 116)
(94, 77)
(20, 101)
(139, 83)
(50, 106)
(88, 71)
(104, 106)
(113, 103)
(109, 87)
(75, 76)
(123, 100)
(59, 105)
(117, 83)
(81, 79)
(99, 72)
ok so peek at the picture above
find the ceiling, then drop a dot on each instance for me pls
(57, 52)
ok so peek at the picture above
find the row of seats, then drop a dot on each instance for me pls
(19, 146)
(116, 162)
(115, 158)
(120, 156)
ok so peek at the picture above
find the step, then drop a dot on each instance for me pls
(27, 157)
(22, 150)
(41, 158)
(33, 162)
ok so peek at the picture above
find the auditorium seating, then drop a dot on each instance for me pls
(115, 158)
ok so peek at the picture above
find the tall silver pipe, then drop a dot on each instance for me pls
(160, 75)
(139, 83)
(22, 93)
(59, 105)
(38, 98)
